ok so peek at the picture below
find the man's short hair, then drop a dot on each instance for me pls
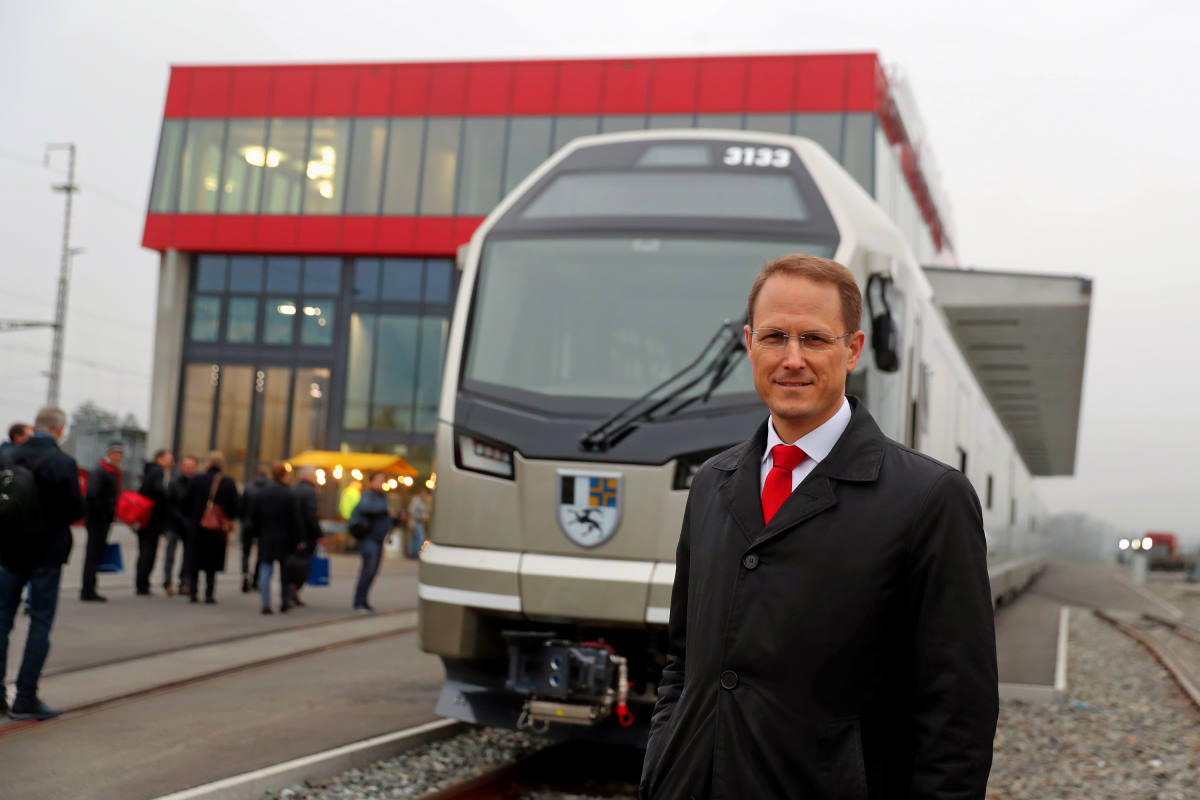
(16, 430)
(160, 453)
(279, 471)
(189, 458)
(817, 270)
(50, 418)
(216, 459)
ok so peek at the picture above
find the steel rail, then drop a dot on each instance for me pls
(1182, 675)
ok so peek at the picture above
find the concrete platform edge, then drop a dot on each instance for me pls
(1041, 693)
(318, 766)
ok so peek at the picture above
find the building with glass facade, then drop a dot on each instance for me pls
(308, 218)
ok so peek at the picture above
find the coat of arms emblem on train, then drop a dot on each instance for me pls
(589, 506)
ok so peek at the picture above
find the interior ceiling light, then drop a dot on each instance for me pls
(318, 169)
(312, 311)
(326, 189)
(259, 156)
(328, 155)
(287, 309)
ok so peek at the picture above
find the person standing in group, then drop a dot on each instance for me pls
(371, 523)
(154, 488)
(178, 527)
(275, 517)
(212, 506)
(103, 489)
(831, 625)
(35, 556)
(307, 509)
(250, 531)
(18, 433)
(418, 516)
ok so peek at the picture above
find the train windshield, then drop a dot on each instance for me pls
(607, 316)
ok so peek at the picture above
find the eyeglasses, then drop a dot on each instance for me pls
(774, 339)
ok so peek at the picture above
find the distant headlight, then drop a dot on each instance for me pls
(1147, 543)
(1123, 544)
(686, 467)
(476, 455)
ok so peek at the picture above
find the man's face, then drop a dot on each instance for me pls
(187, 467)
(803, 388)
(377, 482)
(166, 460)
(115, 456)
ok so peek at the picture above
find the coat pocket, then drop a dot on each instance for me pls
(686, 758)
(843, 768)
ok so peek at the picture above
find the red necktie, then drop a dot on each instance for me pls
(784, 458)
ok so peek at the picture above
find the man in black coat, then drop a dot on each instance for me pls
(104, 487)
(831, 631)
(275, 517)
(307, 507)
(178, 525)
(208, 544)
(38, 562)
(249, 530)
(153, 488)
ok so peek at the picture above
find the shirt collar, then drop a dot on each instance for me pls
(817, 443)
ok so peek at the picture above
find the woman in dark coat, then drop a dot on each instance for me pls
(276, 521)
(209, 544)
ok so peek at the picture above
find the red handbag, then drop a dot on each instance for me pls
(214, 517)
(134, 509)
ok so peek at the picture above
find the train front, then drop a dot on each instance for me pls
(594, 362)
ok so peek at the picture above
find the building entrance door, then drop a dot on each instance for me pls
(254, 414)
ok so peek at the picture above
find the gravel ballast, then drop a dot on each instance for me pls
(1126, 731)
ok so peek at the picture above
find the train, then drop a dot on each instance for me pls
(595, 360)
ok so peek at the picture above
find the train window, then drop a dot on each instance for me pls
(665, 194)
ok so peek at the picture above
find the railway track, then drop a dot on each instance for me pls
(1175, 644)
(577, 769)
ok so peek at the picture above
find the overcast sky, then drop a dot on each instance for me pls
(1065, 133)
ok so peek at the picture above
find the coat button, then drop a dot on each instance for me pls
(750, 561)
(729, 679)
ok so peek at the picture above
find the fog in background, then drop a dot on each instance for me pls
(1065, 135)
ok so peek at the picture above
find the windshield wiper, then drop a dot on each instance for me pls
(716, 361)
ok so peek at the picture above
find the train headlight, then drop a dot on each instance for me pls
(1147, 543)
(1137, 544)
(1123, 544)
(477, 455)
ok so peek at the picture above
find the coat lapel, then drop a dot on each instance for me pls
(740, 488)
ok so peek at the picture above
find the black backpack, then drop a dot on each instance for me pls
(21, 518)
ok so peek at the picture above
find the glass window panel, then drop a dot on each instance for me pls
(206, 318)
(772, 123)
(310, 407)
(358, 371)
(280, 325)
(858, 154)
(201, 166)
(322, 275)
(401, 279)
(327, 166)
(395, 373)
(166, 168)
(568, 128)
(824, 129)
(366, 279)
(368, 146)
(272, 441)
(437, 280)
(722, 121)
(483, 159)
(316, 326)
(210, 273)
(441, 165)
(429, 380)
(403, 166)
(622, 122)
(283, 274)
(246, 274)
(285, 165)
(233, 421)
(672, 121)
(241, 326)
(195, 423)
(245, 159)
(528, 146)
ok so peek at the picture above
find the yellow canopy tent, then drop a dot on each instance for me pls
(367, 462)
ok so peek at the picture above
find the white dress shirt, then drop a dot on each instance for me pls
(816, 444)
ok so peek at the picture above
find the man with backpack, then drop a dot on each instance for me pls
(39, 499)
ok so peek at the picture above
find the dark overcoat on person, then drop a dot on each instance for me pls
(100, 504)
(154, 487)
(177, 504)
(60, 504)
(209, 545)
(307, 504)
(276, 519)
(844, 650)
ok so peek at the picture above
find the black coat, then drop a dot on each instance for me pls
(306, 504)
(209, 546)
(57, 480)
(275, 518)
(177, 504)
(845, 650)
(100, 505)
(154, 487)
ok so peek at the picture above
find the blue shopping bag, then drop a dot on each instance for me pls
(111, 560)
(318, 572)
